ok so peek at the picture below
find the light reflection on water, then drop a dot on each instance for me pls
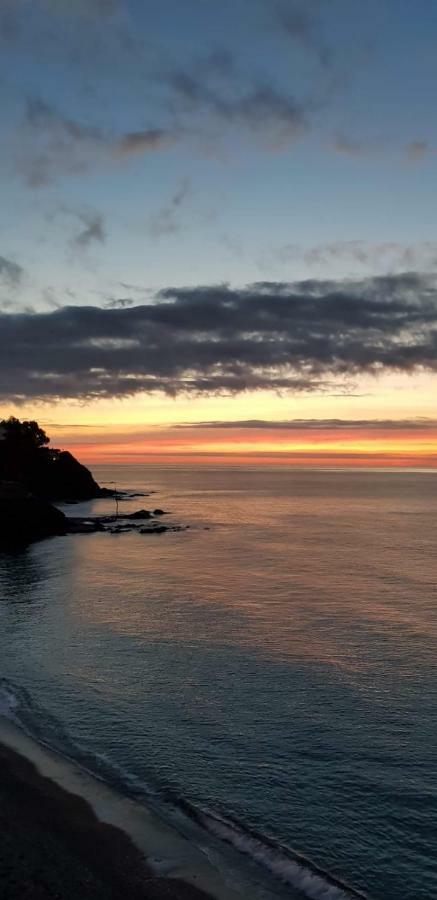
(279, 666)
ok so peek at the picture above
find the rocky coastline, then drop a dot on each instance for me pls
(35, 477)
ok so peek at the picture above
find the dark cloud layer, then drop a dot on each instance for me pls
(271, 335)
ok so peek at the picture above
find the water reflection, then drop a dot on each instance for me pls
(21, 573)
(333, 585)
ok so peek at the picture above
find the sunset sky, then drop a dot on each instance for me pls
(219, 229)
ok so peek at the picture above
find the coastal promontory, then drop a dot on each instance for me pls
(33, 476)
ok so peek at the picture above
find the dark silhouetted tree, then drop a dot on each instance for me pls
(20, 443)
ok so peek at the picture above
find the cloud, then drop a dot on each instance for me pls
(301, 22)
(309, 335)
(10, 272)
(199, 100)
(53, 144)
(387, 256)
(418, 424)
(93, 230)
(347, 146)
(119, 303)
(166, 221)
(138, 142)
(215, 85)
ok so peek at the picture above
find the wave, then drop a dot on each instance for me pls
(288, 866)
(19, 707)
(9, 703)
(292, 868)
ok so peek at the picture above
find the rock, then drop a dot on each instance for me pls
(25, 518)
(83, 526)
(131, 495)
(160, 512)
(139, 514)
(157, 529)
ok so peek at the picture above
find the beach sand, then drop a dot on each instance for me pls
(65, 835)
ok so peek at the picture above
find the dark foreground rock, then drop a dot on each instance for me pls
(25, 518)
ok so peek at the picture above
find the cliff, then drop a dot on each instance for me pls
(46, 472)
(31, 476)
(57, 475)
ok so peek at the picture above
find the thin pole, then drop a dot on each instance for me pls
(115, 494)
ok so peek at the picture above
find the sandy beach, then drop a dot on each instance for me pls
(59, 837)
(52, 845)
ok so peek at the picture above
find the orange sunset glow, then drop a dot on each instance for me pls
(300, 444)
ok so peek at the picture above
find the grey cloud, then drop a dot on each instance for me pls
(166, 221)
(136, 288)
(347, 146)
(150, 139)
(93, 230)
(301, 22)
(308, 335)
(201, 100)
(388, 255)
(10, 272)
(119, 303)
(419, 424)
(215, 85)
(54, 144)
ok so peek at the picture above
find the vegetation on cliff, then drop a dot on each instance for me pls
(48, 473)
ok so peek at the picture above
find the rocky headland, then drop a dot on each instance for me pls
(34, 476)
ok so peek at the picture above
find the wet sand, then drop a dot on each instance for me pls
(60, 838)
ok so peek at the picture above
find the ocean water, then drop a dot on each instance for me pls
(269, 673)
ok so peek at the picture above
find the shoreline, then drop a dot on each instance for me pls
(65, 834)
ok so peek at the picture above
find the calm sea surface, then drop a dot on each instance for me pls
(274, 665)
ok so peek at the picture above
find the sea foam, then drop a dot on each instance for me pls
(291, 868)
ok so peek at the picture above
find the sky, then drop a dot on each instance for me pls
(218, 229)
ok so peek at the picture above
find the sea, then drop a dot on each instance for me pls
(268, 674)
